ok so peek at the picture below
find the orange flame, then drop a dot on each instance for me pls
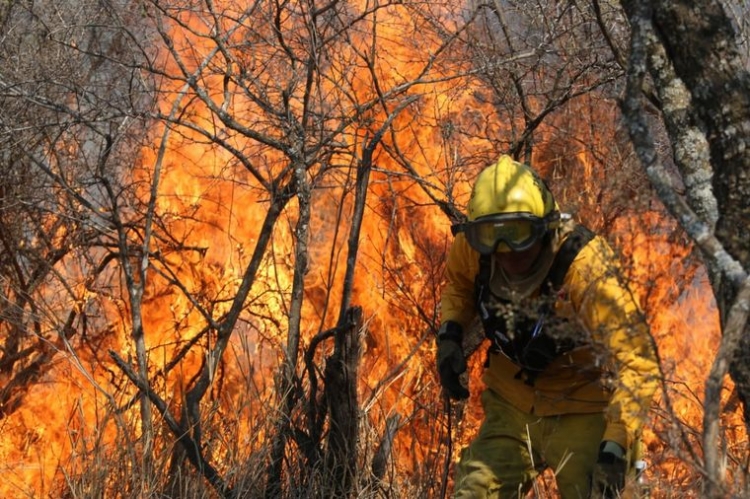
(205, 200)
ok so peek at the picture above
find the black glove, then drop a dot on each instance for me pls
(451, 362)
(609, 473)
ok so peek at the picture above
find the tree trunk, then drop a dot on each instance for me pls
(341, 394)
(712, 69)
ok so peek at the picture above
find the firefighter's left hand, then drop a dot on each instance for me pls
(608, 478)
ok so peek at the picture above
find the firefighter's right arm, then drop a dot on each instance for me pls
(457, 309)
(457, 300)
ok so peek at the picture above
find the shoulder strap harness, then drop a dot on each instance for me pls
(521, 334)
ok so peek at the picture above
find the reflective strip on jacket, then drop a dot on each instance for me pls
(616, 373)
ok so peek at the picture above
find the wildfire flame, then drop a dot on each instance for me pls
(214, 211)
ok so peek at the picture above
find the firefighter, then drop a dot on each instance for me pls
(571, 367)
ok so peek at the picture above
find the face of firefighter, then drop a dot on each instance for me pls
(519, 263)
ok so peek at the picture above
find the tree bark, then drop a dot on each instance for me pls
(343, 405)
(383, 452)
(702, 45)
(698, 42)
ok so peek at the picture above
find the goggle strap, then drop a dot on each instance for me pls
(458, 228)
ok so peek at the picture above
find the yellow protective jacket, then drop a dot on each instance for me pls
(614, 372)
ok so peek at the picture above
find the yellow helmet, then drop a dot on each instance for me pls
(510, 187)
(510, 209)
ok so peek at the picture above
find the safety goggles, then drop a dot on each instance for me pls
(507, 231)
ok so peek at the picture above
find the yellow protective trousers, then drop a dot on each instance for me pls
(513, 447)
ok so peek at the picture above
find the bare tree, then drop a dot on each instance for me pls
(694, 59)
(202, 190)
(71, 94)
(291, 118)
